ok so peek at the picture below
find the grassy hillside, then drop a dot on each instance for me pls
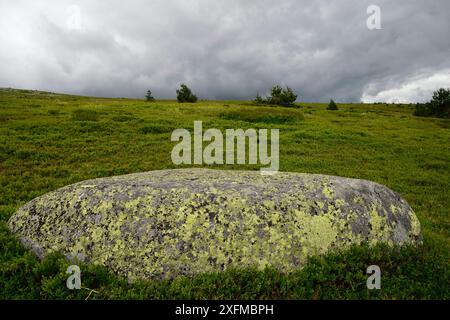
(48, 141)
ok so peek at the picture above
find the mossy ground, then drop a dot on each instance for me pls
(46, 142)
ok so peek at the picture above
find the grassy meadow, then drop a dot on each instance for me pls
(50, 140)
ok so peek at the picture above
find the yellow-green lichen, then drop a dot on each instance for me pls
(381, 231)
(165, 223)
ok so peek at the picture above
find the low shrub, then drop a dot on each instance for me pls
(85, 115)
(332, 105)
(184, 94)
(439, 106)
(149, 97)
(279, 96)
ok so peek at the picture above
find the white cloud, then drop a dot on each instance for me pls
(413, 91)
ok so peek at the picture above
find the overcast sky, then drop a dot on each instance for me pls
(227, 49)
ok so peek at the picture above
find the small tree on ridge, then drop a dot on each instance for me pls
(278, 96)
(332, 105)
(149, 96)
(184, 94)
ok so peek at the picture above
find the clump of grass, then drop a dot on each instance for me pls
(85, 115)
(90, 127)
(265, 117)
(154, 129)
(122, 118)
(54, 112)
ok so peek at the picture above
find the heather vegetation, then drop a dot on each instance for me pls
(50, 140)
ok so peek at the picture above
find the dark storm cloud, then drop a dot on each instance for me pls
(227, 49)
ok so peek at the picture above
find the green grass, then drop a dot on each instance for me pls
(49, 140)
(83, 115)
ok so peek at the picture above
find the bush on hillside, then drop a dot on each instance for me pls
(332, 105)
(278, 96)
(439, 106)
(184, 94)
(149, 96)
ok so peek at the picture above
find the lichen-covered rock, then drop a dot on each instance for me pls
(161, 224)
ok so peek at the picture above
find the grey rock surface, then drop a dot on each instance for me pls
(161, 224)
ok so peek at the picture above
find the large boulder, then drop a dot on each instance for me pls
(160, 224)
